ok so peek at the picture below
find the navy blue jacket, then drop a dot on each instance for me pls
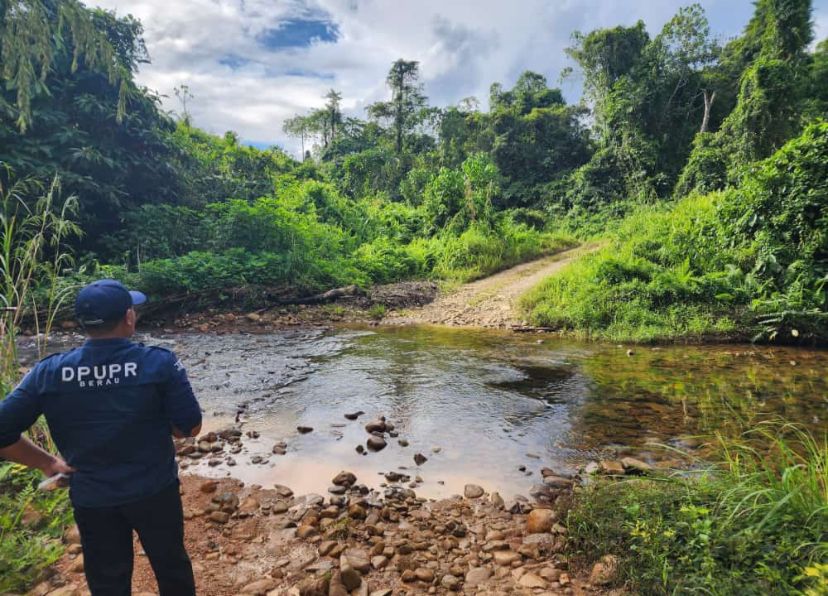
(110, 406)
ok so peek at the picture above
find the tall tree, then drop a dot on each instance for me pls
(408, 103)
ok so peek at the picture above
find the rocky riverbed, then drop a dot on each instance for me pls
(358, 541)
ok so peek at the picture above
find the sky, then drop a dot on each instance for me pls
(250, 64)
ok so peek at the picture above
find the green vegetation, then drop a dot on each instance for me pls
(32, 251)
(741, 262)
(757, 523)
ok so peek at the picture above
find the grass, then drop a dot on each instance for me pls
(754, 523)
(650, 281)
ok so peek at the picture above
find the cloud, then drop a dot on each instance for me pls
(250, 64)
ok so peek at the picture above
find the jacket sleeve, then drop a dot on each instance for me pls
(19, 410)
(181, 404)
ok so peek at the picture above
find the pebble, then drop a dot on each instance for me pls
(473, 491)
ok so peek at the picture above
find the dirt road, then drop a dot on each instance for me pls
(488, 302)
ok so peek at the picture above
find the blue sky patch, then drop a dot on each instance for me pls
(299, 33)
(233, 61)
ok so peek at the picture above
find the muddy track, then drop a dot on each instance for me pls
(489, 302)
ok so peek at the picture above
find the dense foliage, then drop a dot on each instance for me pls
(754, 524)
(416, 190)
(742, 261)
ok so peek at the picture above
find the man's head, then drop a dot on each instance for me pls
(105, 308)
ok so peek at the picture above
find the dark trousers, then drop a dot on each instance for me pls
(106, 537)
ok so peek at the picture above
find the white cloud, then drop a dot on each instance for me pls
(463, 46)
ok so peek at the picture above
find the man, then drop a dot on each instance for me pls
(112, 406)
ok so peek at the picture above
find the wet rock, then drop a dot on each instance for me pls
(420, 459)
(477, 575)
(540, 521)
(605, 571)
(376, 443)
(283, 491)
(557, 482)
(354, 415)
(360, 449)
(376, 426)
(346, 479)
(337, 490)
(304, 429)
(280, 448)
(473, 491)
(403, 443)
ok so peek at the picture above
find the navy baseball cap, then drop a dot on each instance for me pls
(105, 300)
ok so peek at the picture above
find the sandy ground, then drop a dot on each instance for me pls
(489, 302)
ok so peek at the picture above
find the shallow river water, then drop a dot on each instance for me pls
(481, 404)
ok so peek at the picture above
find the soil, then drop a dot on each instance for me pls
(489, 302)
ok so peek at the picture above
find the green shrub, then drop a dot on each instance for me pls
(756, 523)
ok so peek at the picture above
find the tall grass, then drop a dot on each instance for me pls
(754, 523)
(33, 231)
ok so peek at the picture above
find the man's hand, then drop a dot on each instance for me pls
(30, 455)
(56, 466)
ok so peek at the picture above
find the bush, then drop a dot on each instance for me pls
(756, 523)
(756, 256)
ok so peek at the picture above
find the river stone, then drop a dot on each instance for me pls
(351, 578)
(424, 575)
(477, 575)
(611, 467)
(497, 501)
(259, 587)
(473, 491)
(72, 535)
(304, 429)
(354, 415)
(219, 517)
(376, 443)
(557, 481)
(283, 491)
(403, 443)
(65, 591)
(450, 582)
(530, 580)
(358, 559)
(635, 466)
(379, 561)
(376, 426)
(539, 521)
(505, 557)
(604, 571)
(420, 459)
(346, 479)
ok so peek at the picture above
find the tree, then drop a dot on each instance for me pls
(334, 112)
(298, 127)
(408, 104)
(36, 34)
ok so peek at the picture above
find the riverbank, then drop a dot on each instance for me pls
(254, 540)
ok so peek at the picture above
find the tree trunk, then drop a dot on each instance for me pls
(709, 98)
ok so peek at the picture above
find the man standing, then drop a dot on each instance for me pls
(112, 407)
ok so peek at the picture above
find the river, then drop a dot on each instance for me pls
(482, 405)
